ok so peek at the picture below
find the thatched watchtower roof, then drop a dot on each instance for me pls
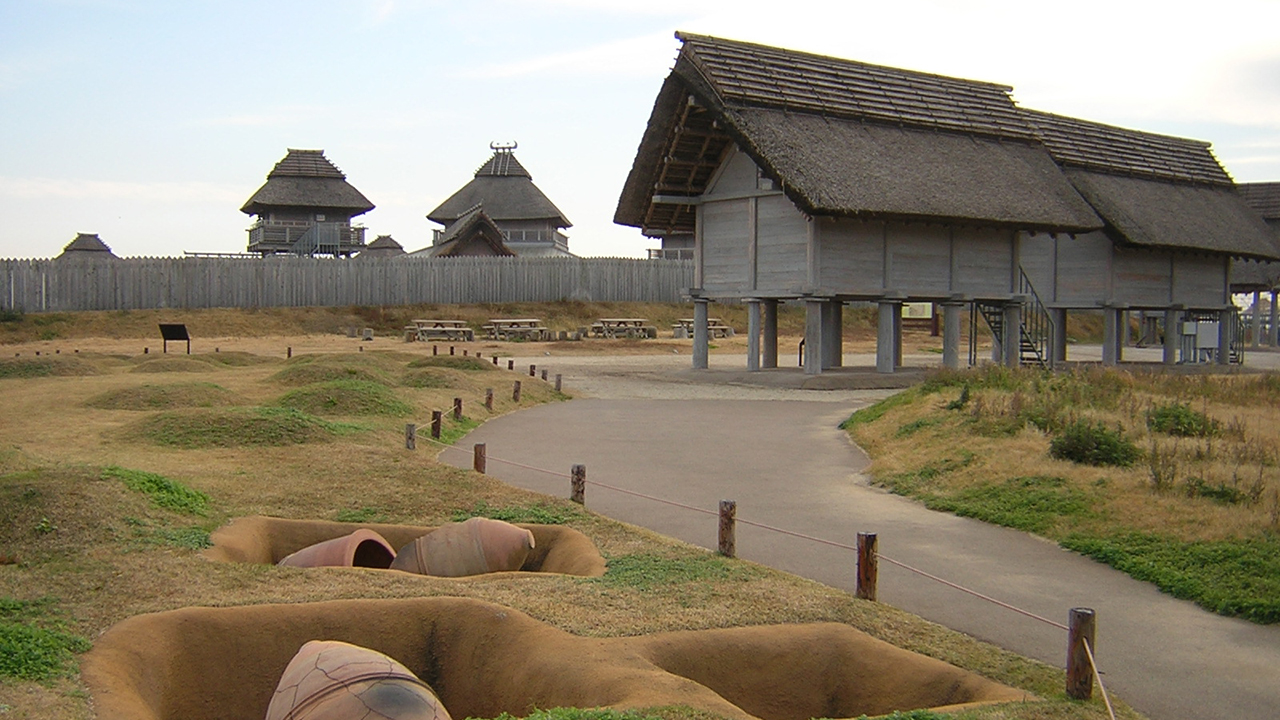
(506, 190)
(382, 246)
(1155, 190)
(474, 233)
(307, 179)
(87, 245)
(844, 138)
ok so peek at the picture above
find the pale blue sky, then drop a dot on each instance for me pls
(150, 122)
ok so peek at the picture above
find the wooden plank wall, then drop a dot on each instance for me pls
(139, 283)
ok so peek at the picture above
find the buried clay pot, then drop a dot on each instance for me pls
(362, 548)
(333, 680)
(474, 547)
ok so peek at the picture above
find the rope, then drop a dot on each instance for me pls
(651, 497)
(1098, 677)
(975, 593)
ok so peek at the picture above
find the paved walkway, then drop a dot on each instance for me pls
(652, 426)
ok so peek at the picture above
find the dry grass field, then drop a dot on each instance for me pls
(115, 466)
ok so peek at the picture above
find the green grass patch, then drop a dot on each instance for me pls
(163, 492)
(1032, 504)
(427, 379)
(915, 426)
(33, 643)
(457, 362)
(581, 714)
(874, 412)
(912, 483)
(311, 369)
(539, 513)
(645, 571)
(164, 397)
(175, 363)
(57, 366)
(360, 515)
(190, 537)
(451, 431)
(346, 397)
(237, 427)
(1239, 578)
(1180, 420)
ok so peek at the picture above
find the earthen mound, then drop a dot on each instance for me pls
(267, 540)
(484, 659)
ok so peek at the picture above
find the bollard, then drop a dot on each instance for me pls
(410, 436)
(457, 408)
(578, 484)
(146, 351)
(728, 514)
(288, 352)
(488, 399)
(511, 364)
(515, 392)
(868, 566)
(450, 349)
(557, 382)
(1082, 625)
(479, 459)
(436, 417)
(435, 350)
(533, 369)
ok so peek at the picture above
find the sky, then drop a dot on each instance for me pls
(150, 122)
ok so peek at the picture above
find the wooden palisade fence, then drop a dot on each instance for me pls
(196, 282)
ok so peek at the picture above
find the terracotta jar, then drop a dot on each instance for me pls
(362, 548)
(332, 680)
(476, 546)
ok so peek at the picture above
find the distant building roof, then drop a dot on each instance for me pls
(306, 178)
(844, 138)
(472, 234)
(505, 189)
(1155, 190)
(382, 246)
(87, 244)
(1263, 197)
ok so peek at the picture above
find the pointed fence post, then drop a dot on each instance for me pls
(728, 516)
(578, 484)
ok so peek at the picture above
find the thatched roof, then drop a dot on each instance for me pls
(473, 234)
(87, 245)
(844, 138)
(507, 192)
(1155, 190)
(1263, 197)
(306, 179)
(382, 246)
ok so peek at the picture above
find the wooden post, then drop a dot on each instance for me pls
(557, 382)
(495, 359)
(464, 352)
(533, 369)
(544, 374)
(450, 349)
(511, 364)
(480, 459)
(457, 408)
(488, 399)
(728, 514)
(435, 349)
(515, 392)
(1079, 670)
(436, 416)
(578, 484)
(410, 436)
(868, 566)
(288, 352)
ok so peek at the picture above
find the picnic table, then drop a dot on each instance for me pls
(516, 329)
(716, 327)
(442, 330)
(623, 327)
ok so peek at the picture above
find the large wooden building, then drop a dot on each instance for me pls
(1257, 277)
(815, 179)
(530, 223)
(305, 208)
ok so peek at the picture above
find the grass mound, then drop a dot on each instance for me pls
(346, 397)
(237, 359)
(311, 369)
(427, 379)
(237, 427)
(165, 397)
(456, 362)
(180, 363)
(56, 366)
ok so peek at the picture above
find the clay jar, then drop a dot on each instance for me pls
(332, 680)
(476, 546)
(362, 548)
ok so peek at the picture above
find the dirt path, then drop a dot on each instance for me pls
(650, 426)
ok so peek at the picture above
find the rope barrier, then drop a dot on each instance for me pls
(1097, 676)
(651, 497)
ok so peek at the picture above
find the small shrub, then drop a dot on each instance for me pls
(1090, 443)
(1181, 420)
(960, 402)
(1220, 493)
(11, 315)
